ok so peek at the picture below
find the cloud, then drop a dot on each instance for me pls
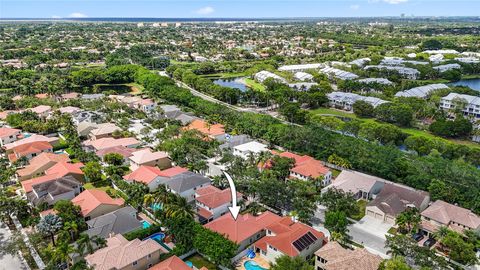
(355, 7)
(56, 17)
(77, 15)
(205, 11)
(392, 2)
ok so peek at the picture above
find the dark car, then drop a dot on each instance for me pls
(429, 243)
(418, 236)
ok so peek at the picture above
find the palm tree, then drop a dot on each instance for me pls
(50, 224)
(62, 253)
(99, 241)
(441, 234)
(72, 228)
(179, 208)
(84, 243)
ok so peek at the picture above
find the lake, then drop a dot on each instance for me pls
(232, 83)
(472, 83)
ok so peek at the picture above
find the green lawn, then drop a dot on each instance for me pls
(104, 188)
(328, 111)
(361, 205)
(199, 262)
(255, 85)
(224, 75)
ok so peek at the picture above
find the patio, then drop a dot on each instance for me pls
(259, 260)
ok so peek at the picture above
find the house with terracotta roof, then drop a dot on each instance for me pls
(29, 150)
(333, 256)
(269, 234)
(212, 202)
(362, 186)
(145, 105)
(95, 202)
(456, 218)
(41, 110)
(172, 263)
(102, 131)
(146, 157)
(124, 151)
(306, 168)
(290, 238)
(57, 171)
(213, 131)
(9, 135)
(245, 230)
(393, 199)
(39, 164)
(66, 168)
(33, 138)
(50, 189)
(103, 143)
(121, 254)
(153, 176)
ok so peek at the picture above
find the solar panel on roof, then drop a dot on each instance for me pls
(304, 241)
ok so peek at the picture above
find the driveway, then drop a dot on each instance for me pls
(370, 233)
(7, 261)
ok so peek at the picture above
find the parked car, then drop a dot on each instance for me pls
(418, 236)
(429, 243)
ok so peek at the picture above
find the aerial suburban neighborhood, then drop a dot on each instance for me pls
(247, 144)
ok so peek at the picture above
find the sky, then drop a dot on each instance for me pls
(234, 8)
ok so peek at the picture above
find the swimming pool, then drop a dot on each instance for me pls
(156, 206)
(251, 265)
(189, 264)
(145, 224)
(157, 237)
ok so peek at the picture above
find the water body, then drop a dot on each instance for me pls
(232, 83)
(472, 83)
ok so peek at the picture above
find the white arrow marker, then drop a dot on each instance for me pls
(234, 209)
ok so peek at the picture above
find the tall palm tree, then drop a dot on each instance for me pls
(441, 234)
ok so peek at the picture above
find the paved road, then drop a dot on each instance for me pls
(7, 261)
(233, 107)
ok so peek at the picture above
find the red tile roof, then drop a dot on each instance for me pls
(304, 165)
(205, 128)
(90, 199)
(42, 160)
(7, 132)
(172, 263)
(244, 227)
(29, 148)
(120, 149)
(214, 197)
(286, 233)
(63, 168)
(147, 174)
(204, 213)
(28, 184)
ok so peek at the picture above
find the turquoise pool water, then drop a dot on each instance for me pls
(251, 265)
(156, 206)
(189, 264)
(145, 224)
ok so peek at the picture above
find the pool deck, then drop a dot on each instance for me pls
(260, 261)
(145, 217)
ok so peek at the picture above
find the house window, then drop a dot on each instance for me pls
(134, 263)
(149, 256)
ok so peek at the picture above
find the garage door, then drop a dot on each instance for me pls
(371, 213)
(378, 216)
(390, 220)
